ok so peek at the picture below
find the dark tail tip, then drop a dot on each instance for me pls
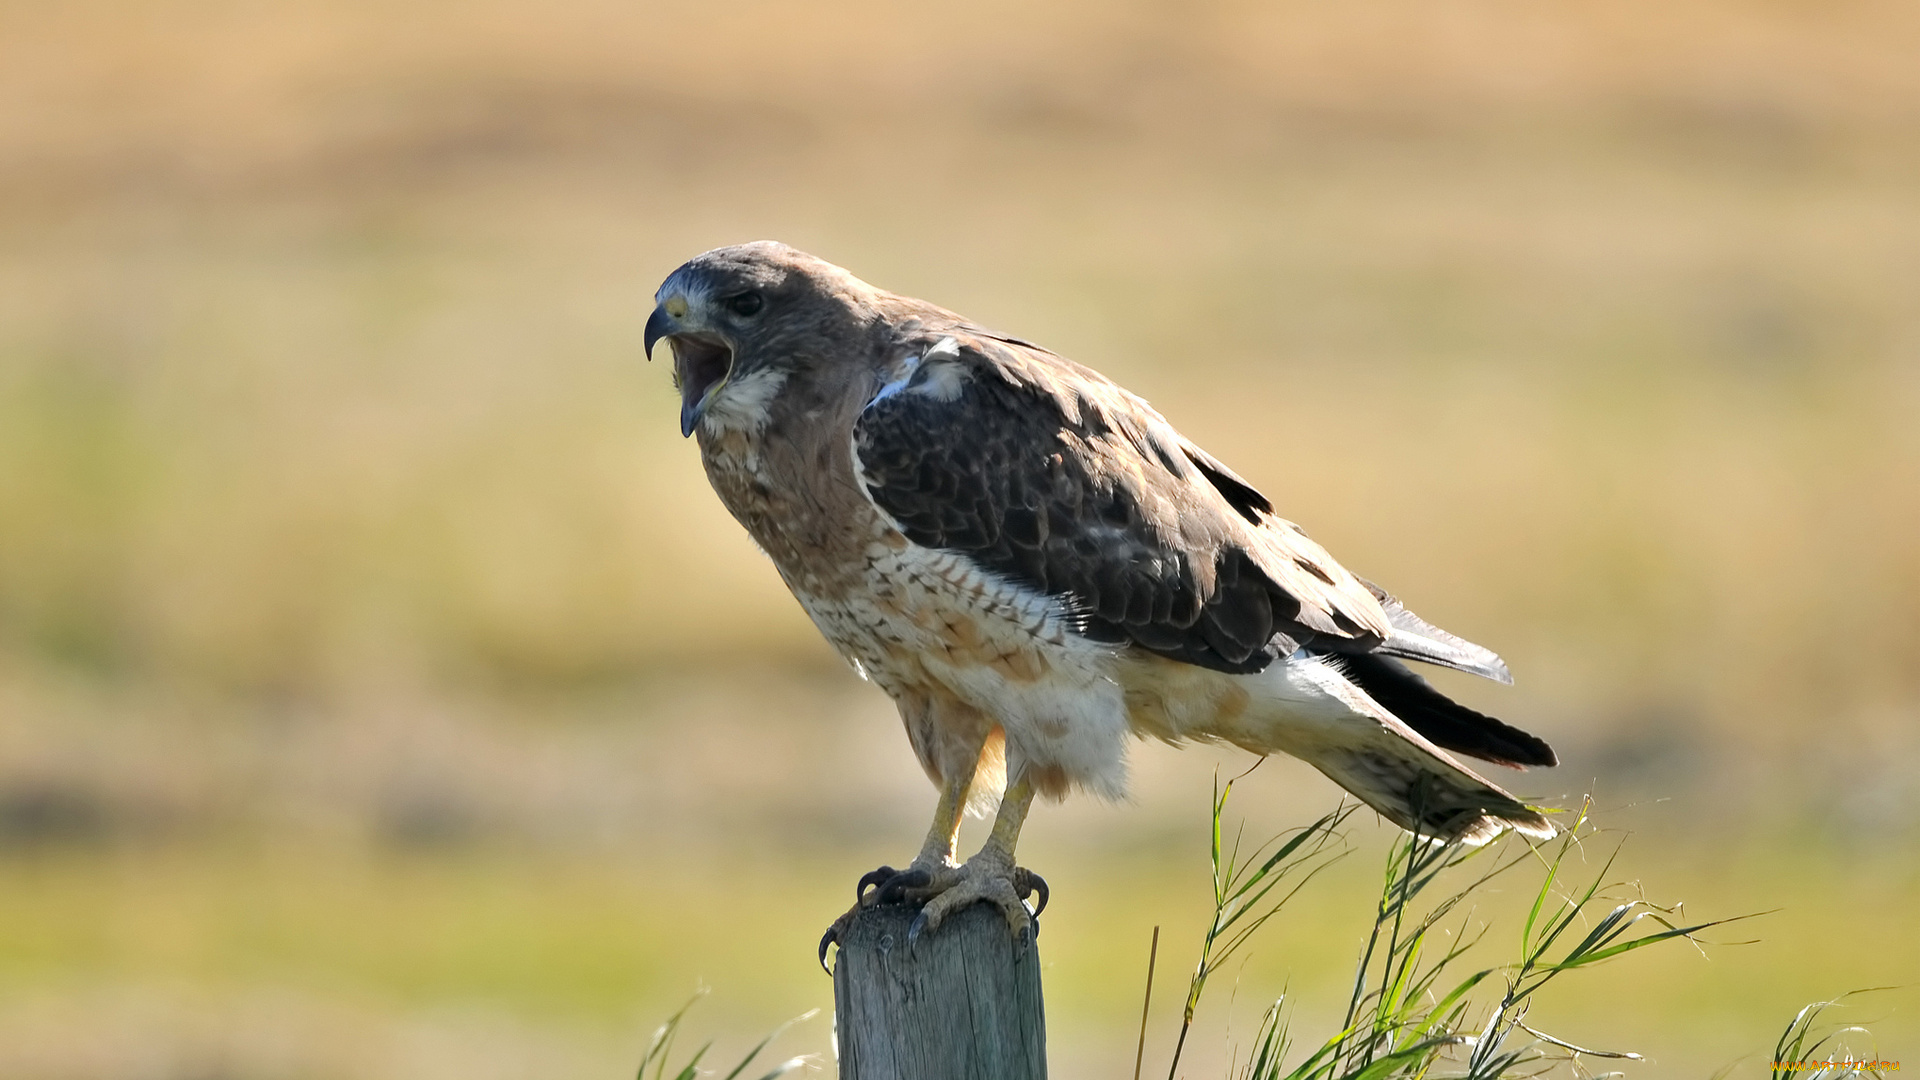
(1441, 720)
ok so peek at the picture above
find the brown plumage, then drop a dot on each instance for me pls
(1033, 563)
(1046, 472)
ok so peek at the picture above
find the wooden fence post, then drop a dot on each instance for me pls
(962, 1004)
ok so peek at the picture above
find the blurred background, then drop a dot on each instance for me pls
(383, 694)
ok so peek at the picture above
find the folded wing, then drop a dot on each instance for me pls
(1045, 472)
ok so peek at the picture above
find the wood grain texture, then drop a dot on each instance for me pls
(962, 1004)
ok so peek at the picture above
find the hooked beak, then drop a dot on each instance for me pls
(701, 363)
(659, 325)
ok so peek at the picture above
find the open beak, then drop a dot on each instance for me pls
(701, 364)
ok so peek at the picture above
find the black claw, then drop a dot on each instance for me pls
(1023, 941)
(873, 877)
(830, 937)
(915, 928)
(894, 891)
(1034, 883)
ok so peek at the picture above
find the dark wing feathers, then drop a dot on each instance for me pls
(1045, 472)
(1441, 720)
(1239, 494)
(1413, 638)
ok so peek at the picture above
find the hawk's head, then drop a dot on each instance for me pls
(742, 320)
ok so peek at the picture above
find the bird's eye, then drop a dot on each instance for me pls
(747, 303)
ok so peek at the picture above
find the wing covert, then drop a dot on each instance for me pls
(1045, 472)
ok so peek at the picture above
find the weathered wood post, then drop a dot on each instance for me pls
(962, 1004)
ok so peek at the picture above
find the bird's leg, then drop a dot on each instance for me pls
(989, 875)
(936, 858)
(934, 863)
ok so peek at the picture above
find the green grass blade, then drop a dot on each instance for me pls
(692, 1069)
(764, 1043)
(1388, 1064)
(785, 1067)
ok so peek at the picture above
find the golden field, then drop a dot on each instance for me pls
(383, 694)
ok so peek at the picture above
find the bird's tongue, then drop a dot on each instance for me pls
(702, 362)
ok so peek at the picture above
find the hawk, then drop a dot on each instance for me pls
(1034, 565)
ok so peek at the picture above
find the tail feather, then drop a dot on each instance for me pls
(1307, 707)
(1381, 757)
(1427, 793)
(1445, 723)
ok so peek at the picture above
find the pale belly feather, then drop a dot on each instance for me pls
(933, 622)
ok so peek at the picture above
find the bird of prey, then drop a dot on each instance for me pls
(1034, 565)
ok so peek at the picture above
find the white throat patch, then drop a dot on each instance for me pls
(742, 404)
